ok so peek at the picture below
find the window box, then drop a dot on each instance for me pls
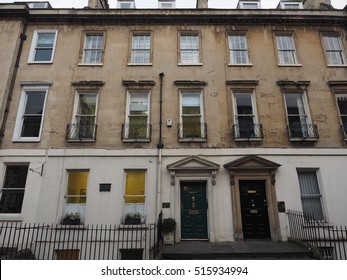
(132, 218)
(69, 221)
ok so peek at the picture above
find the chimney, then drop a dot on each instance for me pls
(318, 5)
(98, 4)
(201, 4)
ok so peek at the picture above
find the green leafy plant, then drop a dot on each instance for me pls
(133, 215)
(72, 216)
(168, 225)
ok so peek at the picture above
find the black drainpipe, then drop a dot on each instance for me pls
(160, 144)
(23, 37)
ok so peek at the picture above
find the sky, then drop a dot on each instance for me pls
(266, 4)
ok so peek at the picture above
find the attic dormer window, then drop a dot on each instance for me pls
(166, 4)
(126, 4)
(290, 5)
(249, 5)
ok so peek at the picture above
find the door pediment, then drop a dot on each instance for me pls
(251, 162)
(194, 166)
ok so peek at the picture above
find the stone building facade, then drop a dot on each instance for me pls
(221, 119)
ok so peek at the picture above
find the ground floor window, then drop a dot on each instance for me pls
(12, 192)
(311, 197)
(134, 198)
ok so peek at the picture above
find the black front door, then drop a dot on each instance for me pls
(255, 219)
(193, 210)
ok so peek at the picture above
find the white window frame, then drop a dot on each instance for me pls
(289, 5)
(244, 4)
(342, 116)
(86, 35)
(198, 49)
(292, 51)
(34, 42)
(127, 116)
(21, 111)
(166, 4)
(306, 113)
(133, 49)
(39, 5)
(257, 133)
(6, 166)
(120, 4)
(135, 207)
(75, 113)
(201, 115)
(340, 50)
(246, 50)
(313, 195)
(76, 207)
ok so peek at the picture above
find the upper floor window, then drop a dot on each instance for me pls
(83, 126)
(43, 46)
(30, 114)
(334, 50)
(189, 48)
(342, 105)
(238, 50)
(93, 48)
(137, 126)
(12, 192)
(245, 118)
(300, 126)
(286, 49)
(192, 126)
(141, 48)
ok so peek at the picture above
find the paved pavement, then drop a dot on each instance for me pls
(236, 250)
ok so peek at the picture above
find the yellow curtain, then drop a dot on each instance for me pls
(77, 186)
(135, 187)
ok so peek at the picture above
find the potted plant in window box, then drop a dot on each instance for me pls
(72, 219)
(132, 218)
(168, 227)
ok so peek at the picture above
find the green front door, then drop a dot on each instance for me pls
(193, 210)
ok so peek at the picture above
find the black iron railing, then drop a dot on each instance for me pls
(331, 241)
(344, 131)
(192, 131)
(301, 131)
(85, 242)
(81, 132)
(136, 132)
(248, 132)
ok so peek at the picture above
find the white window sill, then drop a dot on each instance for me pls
(10, 217)
(240, 64)
(190, 140)
(91, 64)
(40, 62)
(289, 65)
(310, 139)
(190, 64)
(337, 65)
(139, 64)
(26, 140)
(253, 139)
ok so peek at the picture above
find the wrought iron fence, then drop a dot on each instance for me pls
(81, 132)
(87, 242)
(136, 132)
(331, 241)
(303, 131)
(248, 131)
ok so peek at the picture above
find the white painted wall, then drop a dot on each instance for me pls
(44, 196)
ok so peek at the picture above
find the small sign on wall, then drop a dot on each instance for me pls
(105, 187)
(281, 206)
(166, 205)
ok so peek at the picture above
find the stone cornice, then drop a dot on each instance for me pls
(178, 16)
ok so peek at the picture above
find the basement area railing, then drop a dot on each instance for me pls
(84, 242)
(330, 240)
